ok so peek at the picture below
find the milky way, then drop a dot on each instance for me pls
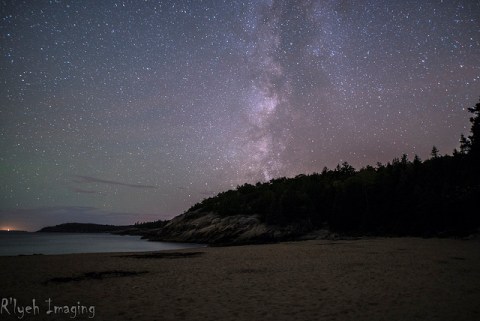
(116, 112)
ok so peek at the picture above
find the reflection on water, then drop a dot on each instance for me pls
(66, 243)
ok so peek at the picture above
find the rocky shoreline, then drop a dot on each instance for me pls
(212, 229)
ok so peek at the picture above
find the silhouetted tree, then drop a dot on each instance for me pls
(417, 160)
(474, 138)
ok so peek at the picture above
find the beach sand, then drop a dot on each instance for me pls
(366, 279)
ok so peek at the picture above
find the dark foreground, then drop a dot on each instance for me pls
(370, 279)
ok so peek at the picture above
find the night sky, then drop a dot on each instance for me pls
(116, 112)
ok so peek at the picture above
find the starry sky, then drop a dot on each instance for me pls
(121, 111)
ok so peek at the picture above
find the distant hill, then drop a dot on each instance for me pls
(82, 228)
(135, 229)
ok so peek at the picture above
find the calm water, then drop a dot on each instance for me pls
(66, 243)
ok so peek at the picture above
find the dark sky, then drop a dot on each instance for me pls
(123, 111)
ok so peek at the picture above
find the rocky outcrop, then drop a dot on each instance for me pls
(210, 228)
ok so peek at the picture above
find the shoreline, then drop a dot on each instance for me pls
(80, 243)
(365, 279)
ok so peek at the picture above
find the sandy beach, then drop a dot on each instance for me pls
(367, 279)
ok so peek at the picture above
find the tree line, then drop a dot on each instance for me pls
(437, 196)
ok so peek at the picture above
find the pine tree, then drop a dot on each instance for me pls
(417, 160)
(474, 138)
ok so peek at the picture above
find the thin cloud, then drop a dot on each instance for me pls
(89, 179)
(85, 191)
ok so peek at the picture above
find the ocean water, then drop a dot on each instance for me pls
(67, 243)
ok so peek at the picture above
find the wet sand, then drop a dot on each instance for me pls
(368, 279)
